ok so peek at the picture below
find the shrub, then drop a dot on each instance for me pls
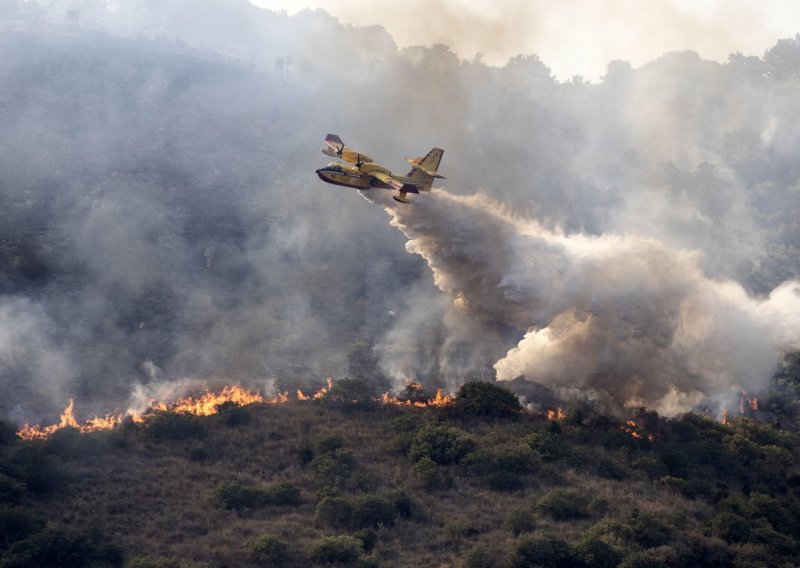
(520, 520)
(486, 400)
(332, 549)
(350, 391)
(481, 557)
(334, 511)
(730, 527)
(649, 531)
(16, 524)
(11, 490)
(457, 529)
(8, 433)
(413, 392)
(512, 459)
(654, 468)
(403, 504)
(161, 562)
(431, 475)
(368, 538)
(564, 504)
(267, 550)
(334, 468)
(329, 444)
(504, 481)
(647, 559)
(442, 444)
(550, 446)
(675, 484)
(373, 511)
(597, 553)
(543, 552)
(237, 495)
(233, 414)
(174, 426)
(57, 548)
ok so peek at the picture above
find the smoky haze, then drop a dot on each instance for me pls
(161, 221)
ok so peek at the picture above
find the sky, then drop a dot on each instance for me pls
(594, 33)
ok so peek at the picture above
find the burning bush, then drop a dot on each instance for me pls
(335, 549)
(486, 400)
(267, 550)
(350, 394)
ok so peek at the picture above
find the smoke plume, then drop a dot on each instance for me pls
(161, 224)
(622, 317)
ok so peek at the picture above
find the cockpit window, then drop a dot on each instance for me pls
(335, 167)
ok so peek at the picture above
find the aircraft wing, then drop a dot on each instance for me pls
(393, 183)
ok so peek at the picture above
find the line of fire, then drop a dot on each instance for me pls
(209, 403)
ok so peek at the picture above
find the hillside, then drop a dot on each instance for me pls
(477, 483)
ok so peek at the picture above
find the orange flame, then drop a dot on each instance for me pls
(556, 415)
(439, 401)
(204, 405)
(632, 428)
(724, 416)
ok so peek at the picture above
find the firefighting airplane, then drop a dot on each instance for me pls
(366, 174)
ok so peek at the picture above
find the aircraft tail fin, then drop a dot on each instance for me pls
(425, 169)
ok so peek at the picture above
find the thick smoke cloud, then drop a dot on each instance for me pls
(161, 223)
(622, 317)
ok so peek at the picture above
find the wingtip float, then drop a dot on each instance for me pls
(359, 171)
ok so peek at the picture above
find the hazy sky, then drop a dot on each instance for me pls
(573, 36)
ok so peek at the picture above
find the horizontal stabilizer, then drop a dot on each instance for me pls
(409, 188)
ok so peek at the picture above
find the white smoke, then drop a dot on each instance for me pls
(626, 318)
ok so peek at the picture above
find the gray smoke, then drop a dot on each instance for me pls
(161, 223)
(625, 318)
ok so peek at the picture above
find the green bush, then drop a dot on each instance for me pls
(550, 446)
(372, 511)
(442, 444)
(730, 527)
(333, 549)
(481, 557)
(403, 504)
(649, 531)
(565, 504)
(334, 512)
(233, 414)
(597, 553)
(653, 467)
(430, 474)
(161, 562)
(334, 468)
(512, 459)
(11, 490)
(174, 426)
(543, 552)
(486, 400)
(8, 433)
(267, 550)
(368, 538)
(457, 529)
(647, 559)
(57, 548)
(237, 495)
(15, 525)
(520, 520)
(329, 444)
(350, 391)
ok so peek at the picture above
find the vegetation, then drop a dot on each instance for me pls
(313, 483)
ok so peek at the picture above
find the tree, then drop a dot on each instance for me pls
(486, 400)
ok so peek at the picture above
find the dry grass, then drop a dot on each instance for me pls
(157, 498)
